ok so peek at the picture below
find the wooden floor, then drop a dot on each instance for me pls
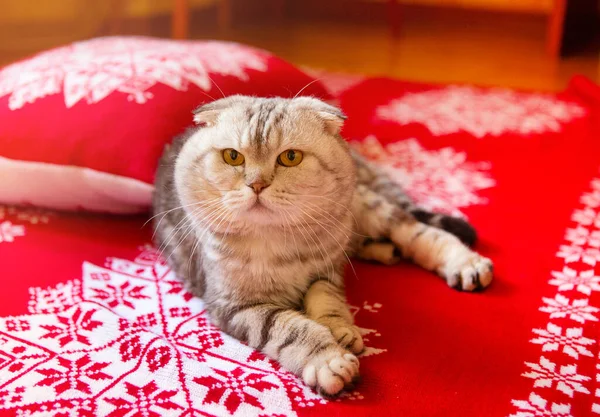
(507, 51)
(502, 50)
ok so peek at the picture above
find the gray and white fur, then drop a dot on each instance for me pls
(265, 245)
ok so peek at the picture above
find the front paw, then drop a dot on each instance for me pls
(474, 273)
(330, 371)
(348, 336)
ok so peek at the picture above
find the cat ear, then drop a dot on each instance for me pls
(207, 114)
(332, 117)
(205, 117)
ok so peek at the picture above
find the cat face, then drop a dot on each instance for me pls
(259, 162)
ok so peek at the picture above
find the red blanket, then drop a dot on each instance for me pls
(92, 322)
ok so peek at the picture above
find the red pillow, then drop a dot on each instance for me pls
(82, 126)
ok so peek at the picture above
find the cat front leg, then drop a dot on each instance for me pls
(325, 303)
(301, 345)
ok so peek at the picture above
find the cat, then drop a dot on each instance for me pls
(259, 208)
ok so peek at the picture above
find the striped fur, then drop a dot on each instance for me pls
(272, 274)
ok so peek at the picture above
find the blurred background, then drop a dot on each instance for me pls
(528, 44)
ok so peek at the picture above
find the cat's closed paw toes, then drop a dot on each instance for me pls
(475, 274)
(349, 337)
(330, 371)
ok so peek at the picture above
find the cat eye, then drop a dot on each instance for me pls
(233, 157)
(290, 158)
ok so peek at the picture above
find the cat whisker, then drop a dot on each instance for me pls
(308, 243)
(321, 248)
(185, 220)
(319, 210)
(196, 244)
(330, 200)
(216, 85)
(191, 228)
(306, 86)
(182, 223)
(292, 233)
(334, 238)
(164, 213)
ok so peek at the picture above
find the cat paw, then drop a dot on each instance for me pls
(473, 274)
(349, 337)
(381, 250)
(330, 371)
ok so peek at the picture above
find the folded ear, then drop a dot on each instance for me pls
(207, 114)
(333, 118)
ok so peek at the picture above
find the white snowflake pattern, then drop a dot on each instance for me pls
(569, 279)
(91, 70)
(574, 253)
(9, 231)
(128, 335)
(440, 179)
(583, 246)
(592, 199)
(481, 112)
(537, 406)
(587, 217)
(562, 307)
(572, 341)
(567, 380)
(583, 236)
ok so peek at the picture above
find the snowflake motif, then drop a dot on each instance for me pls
(567, 380)
(440, 180)
(70, 327)
(9, 231)
(537, 406)
(115, 295)
(160, 357)
(178, 288)
(592, 199)
(73, 374)
(481, 112)
(92, 70)
(148, 401)
(574, 253)
(231, 388)
(561, 307)
(201, 339)
(568, 279)
(587, 217)
(572, 342)
(581, 236)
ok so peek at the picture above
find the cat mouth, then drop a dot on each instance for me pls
(258, 206)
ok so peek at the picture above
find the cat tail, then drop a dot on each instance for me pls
(457, 226)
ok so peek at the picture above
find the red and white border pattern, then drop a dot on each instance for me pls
(557, 373)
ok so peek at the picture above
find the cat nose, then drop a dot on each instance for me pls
(258, 186)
